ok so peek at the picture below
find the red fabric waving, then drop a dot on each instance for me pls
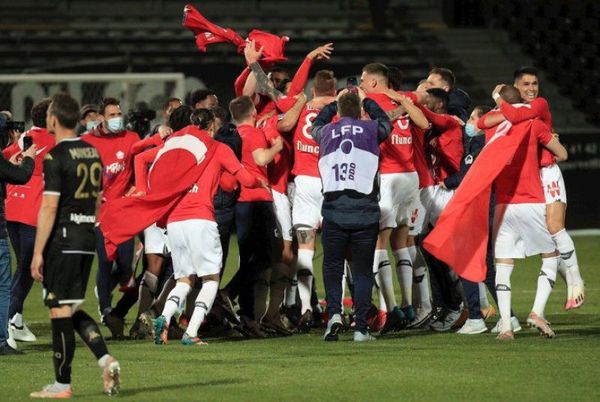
(461, 234)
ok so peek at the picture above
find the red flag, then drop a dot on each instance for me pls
(206, 32)
(460, 236)
(177, 166)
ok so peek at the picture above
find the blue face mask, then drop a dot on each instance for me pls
(90, 125)
(470, 130)
(115, 125)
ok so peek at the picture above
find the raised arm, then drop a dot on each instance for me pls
(240, 82)
(263, 83)
(301, 76)
(290, 118)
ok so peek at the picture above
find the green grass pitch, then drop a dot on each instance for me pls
(410, 365)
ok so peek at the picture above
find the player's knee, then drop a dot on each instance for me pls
(213, 277)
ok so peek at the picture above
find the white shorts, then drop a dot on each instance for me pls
(397, 192)
(195, 247)
(416, 215)
(155, 240)
(283, 213)
(520, 231)
(308, 199)
(553, 184)
(435, 199)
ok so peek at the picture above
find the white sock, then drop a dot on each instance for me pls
(404, 270)
(545, 284)
(103, 360)
(175, 300)
(483, 300)
(422, 280)
(17, 319)
(504, 292)
(566, 248)
(305, 277)
(59, 386)
(291, 290)
(383, 268)
(563, 272)
(412, 251)
(202, 306)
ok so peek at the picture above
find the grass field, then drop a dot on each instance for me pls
(411, 365)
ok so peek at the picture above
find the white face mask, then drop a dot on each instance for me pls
(115, 125)
(91, 124)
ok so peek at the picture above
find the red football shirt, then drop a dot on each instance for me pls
(198, 202)
(397, 150)
(117, 159)
(23, 202)
(279, 169)
(306, 150)
(520, 182)
(422, 167)
(539, 109)
(253, 139)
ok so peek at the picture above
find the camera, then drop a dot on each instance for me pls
(140, 118)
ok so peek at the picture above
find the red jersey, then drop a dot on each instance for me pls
(278, 170)
(306, 150)
(253, 139)
(397, 150)
(520, 182)
(117, 159)
(198, 202)
(447, 149)
(23, 202)
(422, 167)
(538, 108)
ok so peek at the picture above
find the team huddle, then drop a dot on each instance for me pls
(285, 167)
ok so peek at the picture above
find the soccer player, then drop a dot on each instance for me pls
(519, 226)
(204, 99)
(114, 143)
(445, 153)
(458, 100)
(193, 220)
(399, 186)
(526, 81)
(348, 165)
(21, 207)
(64, 247)
(308, 196)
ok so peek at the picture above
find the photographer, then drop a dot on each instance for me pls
(140, 118)
(9, 173)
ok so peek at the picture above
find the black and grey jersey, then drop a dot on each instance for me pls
(73, 171)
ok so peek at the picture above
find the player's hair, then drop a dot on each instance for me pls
(395, 78)
(279, 70)
(349, 105)
(221, 113)
(482, 109)
(324, 83)
(38, 112)
(510, 94)
(166, 105)
(202, 118)
(241, 108)
(66, 110)
(446, 74)
(521, 71)
(377, 69)
(180, 117)
(281, 86)
(440, 95)
(107, 102)
(199, 95)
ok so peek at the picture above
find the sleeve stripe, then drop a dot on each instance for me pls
(51, 192)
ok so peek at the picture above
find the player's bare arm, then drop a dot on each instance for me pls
(264, 156)
(263, 83)
(46, 219)
(559, 151)
(290, 118)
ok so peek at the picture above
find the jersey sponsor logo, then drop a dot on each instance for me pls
(39, 151)
(115, 168)
(403, 123)
(81, 218)
(311, 149)
(399, 140)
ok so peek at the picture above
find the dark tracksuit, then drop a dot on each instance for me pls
(350, 223)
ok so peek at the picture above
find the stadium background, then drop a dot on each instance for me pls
(481, 41)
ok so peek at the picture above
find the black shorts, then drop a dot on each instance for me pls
(66, 275)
